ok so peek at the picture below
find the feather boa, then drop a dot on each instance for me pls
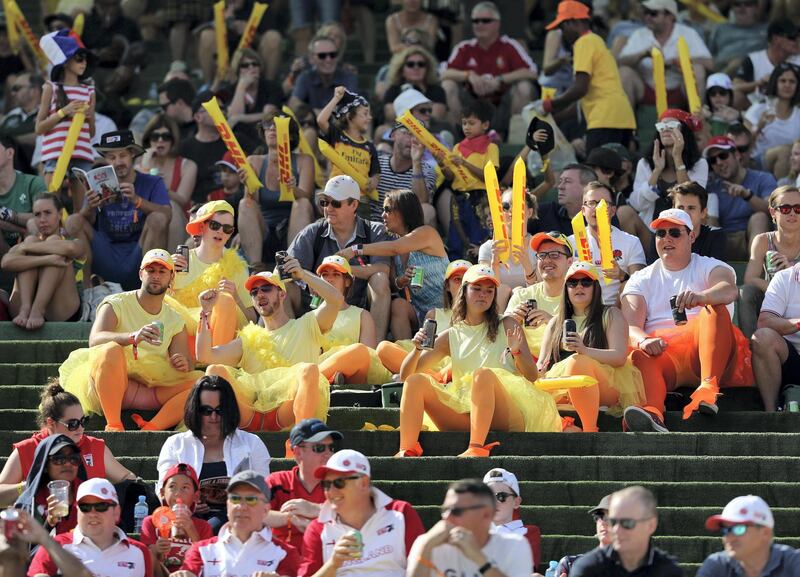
(258, 342)
(230, 266)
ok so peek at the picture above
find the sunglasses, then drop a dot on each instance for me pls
(671, 124)
(327, 55)
(99, 507)
(426, 110)
(59, 460)
(249, 500)
(79, 57)
(416, 64)
(482, 20)
(387, 209)
(165, 136)
(458, 511)
(625, 523)
(167, 104)
(501, 496)
(74, 424)
(788, 208)
(17, 87)
(506, 206)
(584, 282)
(207, 411)
(264, 288)
(551, 254)
(226, 228)
(325, 203)
(673, 232)
(338, 483)
(250, 64)
(652, 13)
(320, 448)
(737, 530)
(712, 160)
(598, 517)
(717, 92)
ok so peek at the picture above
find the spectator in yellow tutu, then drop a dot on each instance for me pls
(353, 332)
(599, 348)
(392, 354)
(212, 266)
(138, 355)
(493, 375)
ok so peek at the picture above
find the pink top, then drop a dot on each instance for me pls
(53, 140)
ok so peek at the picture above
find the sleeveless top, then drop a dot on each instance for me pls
(443, 319)
(274, 212)
(429, 296)
(53, 141)
(772, 246)
(92, 450)
(298, 341)
(470, 349)
(201, 276)
(131, 317)
(345, 331)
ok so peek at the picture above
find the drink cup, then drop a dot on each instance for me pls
(359, 544)
(60, 490)
(160, 328)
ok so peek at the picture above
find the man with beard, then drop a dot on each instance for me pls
(120, 229)
(138, 355)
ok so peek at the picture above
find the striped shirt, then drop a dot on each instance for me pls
(53, 141)
(391, 180)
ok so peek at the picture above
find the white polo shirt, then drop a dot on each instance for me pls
(783, 298)
(627, 250)
(125, 558)
(387, 535)
(510, 553)
(226, 556)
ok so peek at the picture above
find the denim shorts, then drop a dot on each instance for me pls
(84, 165)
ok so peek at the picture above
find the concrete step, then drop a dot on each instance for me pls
(39, 351)
(48, 332)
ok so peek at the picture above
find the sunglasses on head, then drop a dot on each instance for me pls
(788, 208)
(262, 288)
(458, 511)
(584, 282)
(99, 507)
(327, 55)
(72, 459)
(416, 64)
(501, 496)
(207, 411)
(712, 160)
(673, 232)
(74, 424)
(324, 203)
(625, 523)
(482, 20)
(338, 483)
(165, 136)
(737, 530)
(319, 447)
(249, 500)
(226, 228)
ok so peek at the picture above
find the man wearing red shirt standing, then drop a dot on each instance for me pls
(297, 494)
(489, 66)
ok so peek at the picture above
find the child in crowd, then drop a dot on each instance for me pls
(467, 231)
(718, 109)
(347, 135)
(180, 485)
(232, 189)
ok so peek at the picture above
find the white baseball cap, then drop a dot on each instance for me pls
(407, 100)
(719, 80)
(97, 487)
(669, 5)
(746, 510)
(673, 216)
(345, 461)
(498, 475)
(342, 187)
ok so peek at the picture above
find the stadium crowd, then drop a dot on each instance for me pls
(501, 235)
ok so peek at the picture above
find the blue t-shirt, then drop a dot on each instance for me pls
(734, 211)
(310, 89)
(783, 562)
(116, 220)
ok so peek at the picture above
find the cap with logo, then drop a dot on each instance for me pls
(499, 475)
(181, 469)
(345, 462)
(720, 143)
(455, 267)
(746, 510)
(552, 236)
(312, 431)
(99, 488)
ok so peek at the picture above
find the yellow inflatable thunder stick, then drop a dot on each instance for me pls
(558, 383)
(77, 26)
(660, 81)
(704, 11)
(495, 207)
(688, 76)
(252, 25)
(518, 205)
(11, 27)
(221, 39)
(69, 146)
(30, 38)
(239, 159)
(581, 240)
(604, 237)
(305, 148)
(284, 159)
(429, 141)
(342, 164)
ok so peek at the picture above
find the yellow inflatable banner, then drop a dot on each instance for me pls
(339, 162)
(689, 81)
(77, 26)
(69, 146)
(305, 148)
(225, 132)
(518, 205)
(284, 159)
(660, 81)
(221, 39)
(11, 27)
(604, 238)
(495, 207)
(252, 25)
(429, 141)
(581, 240)
(704, 11)
(30, 38)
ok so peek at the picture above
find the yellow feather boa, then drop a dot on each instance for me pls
(258, 342)
(230, 266)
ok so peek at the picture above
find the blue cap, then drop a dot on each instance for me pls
(311, 431)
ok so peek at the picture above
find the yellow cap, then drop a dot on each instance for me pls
(205, 212)
(456, 266)
(479, 272)
(160, 256)
(265, 277)
(335, 262)
(582, 268)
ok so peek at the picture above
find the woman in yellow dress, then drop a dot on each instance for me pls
(493, 375)
(599, 349)
(212, 266)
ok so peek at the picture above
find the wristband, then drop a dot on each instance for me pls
(358, 250)
(61, 113)
(513, 354)
(485, 567)
(132, 339)
(749, 196)
(547, 106)
(681, 167)
(204, 320)
(138, 202)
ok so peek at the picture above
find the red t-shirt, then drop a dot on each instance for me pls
(92, 449)
(177, 552)
(285, 486)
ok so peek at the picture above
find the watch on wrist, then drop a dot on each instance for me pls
(749, 195)
(485, 567)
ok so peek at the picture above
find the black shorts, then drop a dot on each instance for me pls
(790, 370)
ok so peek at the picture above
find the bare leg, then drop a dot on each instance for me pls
(206, 51)
(22, 296)
(443, 210)
(380, 302)
(301, 216)
(770, 351)
(522, 93)
(632, 84)
(269, 48)
(756, 224)
(77, 193)
(154, 233)
(79, 227)
(429, 214)
(178, 37)
(403, 319)
(56, 296)
(451, 89)
(301, 36)
(251, 229)
(177, 227)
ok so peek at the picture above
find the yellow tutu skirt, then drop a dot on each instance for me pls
(377, 373)
(538, 407)
(149, 370)
(269, 389)
(626, 380)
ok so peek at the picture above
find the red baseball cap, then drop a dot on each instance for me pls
(181, 469)
(719, 142)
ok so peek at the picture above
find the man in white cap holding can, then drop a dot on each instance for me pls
(102, 547)
(746, 526)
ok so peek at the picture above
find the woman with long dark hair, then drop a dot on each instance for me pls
(493, 375)
(598, 349)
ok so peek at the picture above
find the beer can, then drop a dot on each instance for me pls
(430, 333)
(316, 300)
(531, 305)
(416, 280)
(569, 327)
(183, 250)
(9, 519)
(359, 538)
(794, 407)
(280, 260)
(160, 326)
(679, 316)
(769, 261)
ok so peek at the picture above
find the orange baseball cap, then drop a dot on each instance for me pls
(569, 10)
(552, 236)
(265, 277)
(456, 266)
(205, 212)
(335, 262)
(160, 256)
(479, 272)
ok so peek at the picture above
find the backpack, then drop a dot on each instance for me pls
(94, 295)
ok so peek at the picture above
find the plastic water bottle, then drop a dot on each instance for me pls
(551, 571)
(140, 511)
(178, 508)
